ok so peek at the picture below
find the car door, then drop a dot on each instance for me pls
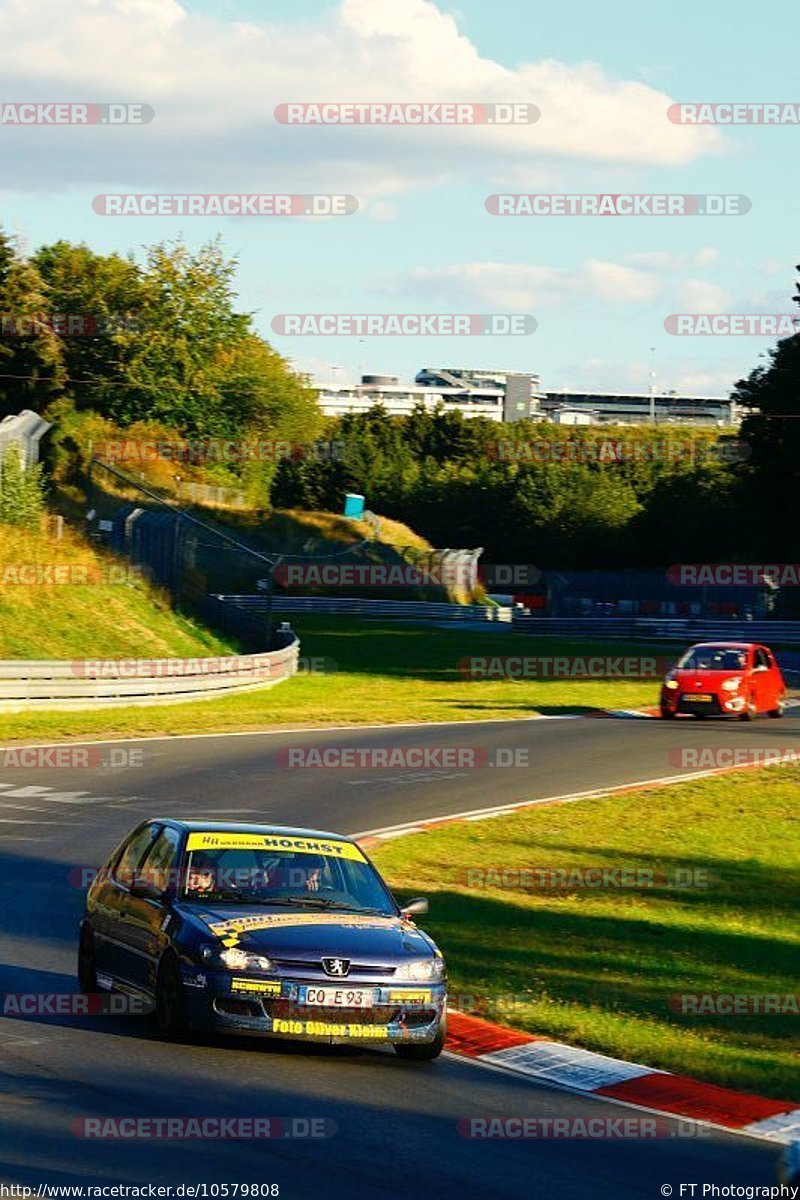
(760, 683)
(108, 903)
(773, 681)
(144, 913)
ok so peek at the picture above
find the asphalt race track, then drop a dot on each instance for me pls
(396, 1121)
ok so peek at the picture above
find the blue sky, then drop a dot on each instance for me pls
(603, 76)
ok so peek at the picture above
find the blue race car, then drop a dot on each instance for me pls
(256, 929)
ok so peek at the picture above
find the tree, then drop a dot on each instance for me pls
(31, 362)
(772, 431)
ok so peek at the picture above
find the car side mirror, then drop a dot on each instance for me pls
(415, 908)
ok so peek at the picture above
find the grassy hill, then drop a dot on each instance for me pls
(101, 607)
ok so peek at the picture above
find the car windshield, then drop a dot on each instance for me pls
(284, 878)
(713, 658)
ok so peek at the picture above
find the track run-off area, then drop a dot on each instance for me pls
(396, 1122)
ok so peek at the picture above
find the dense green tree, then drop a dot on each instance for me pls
(31, 362)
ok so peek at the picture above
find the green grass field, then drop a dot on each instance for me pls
(384, 673)
(596, 968)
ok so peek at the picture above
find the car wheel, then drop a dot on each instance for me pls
(778, 712)
(749, 713)
(170, 1012)
(87, 971)
(667, 714)
(422, 1051)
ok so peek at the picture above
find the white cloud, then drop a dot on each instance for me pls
(493, 286)
(215, 83)
(706, 256)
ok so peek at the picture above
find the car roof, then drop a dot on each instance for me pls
(194, 825)
(725, 645)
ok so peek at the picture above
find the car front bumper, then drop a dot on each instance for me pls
(228, 1002)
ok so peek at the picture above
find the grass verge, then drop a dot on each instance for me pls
(597, 967)
(370, 674)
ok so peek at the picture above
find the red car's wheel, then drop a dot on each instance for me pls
(750, 713)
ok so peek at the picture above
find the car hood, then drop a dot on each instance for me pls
(705, 681)
(305, 933)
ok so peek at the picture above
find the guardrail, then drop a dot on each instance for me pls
(401, 610)
(677, 629)
(86, 682)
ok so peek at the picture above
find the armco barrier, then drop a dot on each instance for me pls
(86, 683)
(398, 610)
(658, 628)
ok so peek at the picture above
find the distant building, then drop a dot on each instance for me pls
(633, 408)
(498, 396)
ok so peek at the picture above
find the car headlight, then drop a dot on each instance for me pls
(422, 970)
(670, 683)
(732, 685)
(235, 959)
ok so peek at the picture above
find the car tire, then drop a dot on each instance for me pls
(422, 1051)
(170, 1012)
(780, 711)
(667, 714)
(749, 713)
(87, 970)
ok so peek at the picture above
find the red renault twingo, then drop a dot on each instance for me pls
(735, 679)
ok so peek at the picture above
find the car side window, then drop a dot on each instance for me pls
(133, 853)
(761, 659)
(158, 867)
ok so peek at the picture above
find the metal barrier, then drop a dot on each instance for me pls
(399, 610)
(676, 629)
(86, 682)
(23, 430)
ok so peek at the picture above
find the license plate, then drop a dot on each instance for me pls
(700, 699)
(334, 997)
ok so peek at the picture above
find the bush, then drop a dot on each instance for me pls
(21, 490)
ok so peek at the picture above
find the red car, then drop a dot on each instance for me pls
(724, 679)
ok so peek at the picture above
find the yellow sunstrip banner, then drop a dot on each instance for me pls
(421, 997)
(329, 1029)
(273, 841)
(282, 920)
(263, 987)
